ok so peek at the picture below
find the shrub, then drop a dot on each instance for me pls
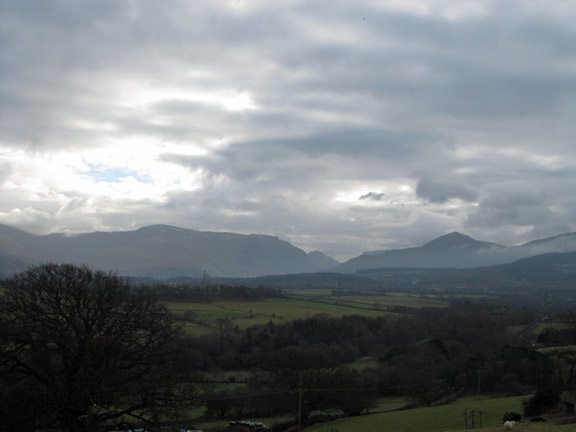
(541, 402)
(511, 416)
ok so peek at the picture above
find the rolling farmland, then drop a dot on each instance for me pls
(298, 304)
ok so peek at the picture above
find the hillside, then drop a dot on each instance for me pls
(554, 272)
(161, 251)
(457, 250)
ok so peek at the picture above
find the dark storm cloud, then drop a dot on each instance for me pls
(515, 205)
(442, 191)
(306, 164)
(372, 196)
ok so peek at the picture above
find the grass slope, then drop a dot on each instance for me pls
(299, 306)
(532, 427)
(435, 419)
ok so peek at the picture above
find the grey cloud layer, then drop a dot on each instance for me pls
(374, 127)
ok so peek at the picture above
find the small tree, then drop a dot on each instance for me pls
(82, 348)
(542, 401)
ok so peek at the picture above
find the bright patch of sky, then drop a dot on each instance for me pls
(113, 175)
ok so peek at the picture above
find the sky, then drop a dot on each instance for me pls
(340, 126)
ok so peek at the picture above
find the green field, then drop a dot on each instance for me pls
(549, 325)
(363, 363)
(375, 299)
(313, 292)
(535, 427)
(247, 313)
(445, 418)
(435, 419)
(395, 299)
(307, 308)
(209, 316)
(556, 349)
(301, 304)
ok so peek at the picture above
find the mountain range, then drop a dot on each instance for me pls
(457, 250)
(163, 251)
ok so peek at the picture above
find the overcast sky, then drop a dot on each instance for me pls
(340, 126)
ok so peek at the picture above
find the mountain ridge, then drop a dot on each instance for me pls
(457, 250)
(160, 251)
(456, 240)
(165, 251)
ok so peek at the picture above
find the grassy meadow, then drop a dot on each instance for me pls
(433, 419)
(534, 427)
(549, 326)
(445, 418)
(298, 304)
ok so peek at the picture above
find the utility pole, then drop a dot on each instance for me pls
(300, 409)
(479, 371)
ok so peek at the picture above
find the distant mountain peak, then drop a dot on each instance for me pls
(450, 250)
(451, 239)
(456, 240)
(160, 229)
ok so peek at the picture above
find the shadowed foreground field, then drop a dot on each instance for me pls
(434, 419)
(445, 418)
(534, 427)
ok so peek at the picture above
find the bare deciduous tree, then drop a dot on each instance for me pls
(81, 348)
